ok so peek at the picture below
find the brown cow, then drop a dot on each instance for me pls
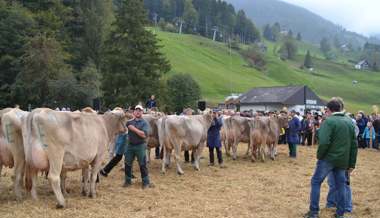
(58, 142)
(275, 123)
(11, 126)
(153, 139)
(181, 132)
(237, 130)
(258, 134)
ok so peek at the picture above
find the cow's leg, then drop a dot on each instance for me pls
(168, 158)
(54, 177)
(95, 168)
(19, 175)
(84, 183)
(147, 155)
(33, 178)
(63, 182)
(262, 153)
(1, 168)
(198, 153)
(273, 151)
(163, 170)
(248, 149)
(234, 150)
(177, 154)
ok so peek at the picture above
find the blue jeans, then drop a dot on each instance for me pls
(322, 170)
(331, 196)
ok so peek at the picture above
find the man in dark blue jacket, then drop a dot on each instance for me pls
(293, 134)
(213, 139)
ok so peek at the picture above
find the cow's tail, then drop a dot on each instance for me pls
(29, 134)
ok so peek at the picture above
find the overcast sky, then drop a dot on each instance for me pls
(362, 16)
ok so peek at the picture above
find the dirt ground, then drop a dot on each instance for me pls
(259, 190)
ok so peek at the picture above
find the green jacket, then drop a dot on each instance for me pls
(337, 141)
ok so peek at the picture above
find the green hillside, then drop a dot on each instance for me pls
(220, 73)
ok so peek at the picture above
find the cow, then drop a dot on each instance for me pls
(4, 151)
(237, 130)
(181, 132)
(153, 139)
(59, 142)
(275, 124)
(259, 131)
(11, 127)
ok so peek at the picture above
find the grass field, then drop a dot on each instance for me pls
(278, 189)
(221, 73)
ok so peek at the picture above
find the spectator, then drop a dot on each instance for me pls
(213, 139)
(336, 154)
(361, 122)
(137, 135)
(293, 137)
(151, 103)
(120, 146)
(308, 129)
(369, 135)
(376, 125)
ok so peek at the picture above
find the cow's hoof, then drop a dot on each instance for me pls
(84, 194)
(91, 195)
(180, 173)
(60, 206)
(163, 172)
(272, 158)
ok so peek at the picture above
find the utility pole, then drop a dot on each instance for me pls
(179, 22)
(215, 29)
(155, 17)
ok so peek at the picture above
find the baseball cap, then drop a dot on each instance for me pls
(139, 107)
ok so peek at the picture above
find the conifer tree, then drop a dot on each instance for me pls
(133, 63)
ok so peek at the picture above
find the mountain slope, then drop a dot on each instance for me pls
(312, 27)
(220, 74)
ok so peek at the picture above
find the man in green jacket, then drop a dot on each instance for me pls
(336, 154)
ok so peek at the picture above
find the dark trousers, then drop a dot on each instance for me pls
(293, 150)
(308, 135)
(361, 141)
(218, 154)
(130, 154)
(113, 162)
(187, 156)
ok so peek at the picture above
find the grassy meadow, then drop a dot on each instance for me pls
(221, 72)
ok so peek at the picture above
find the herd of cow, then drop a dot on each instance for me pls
(56, 142)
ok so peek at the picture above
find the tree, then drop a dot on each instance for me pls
(268, 33)
(132, 63)
(182, 92)
(43, 66)
(90, 82)
(16, 26)
(299, 37)
(190, 16)
(290, 34)
(276, 31)
(307, 62)
(325, 46)
(288, 49)
(97, 18)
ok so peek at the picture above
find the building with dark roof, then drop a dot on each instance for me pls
(297, 98)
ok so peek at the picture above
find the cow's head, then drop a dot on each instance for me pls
(282, 121)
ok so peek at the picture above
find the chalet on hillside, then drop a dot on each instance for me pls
(362, 65)
(299, 98)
